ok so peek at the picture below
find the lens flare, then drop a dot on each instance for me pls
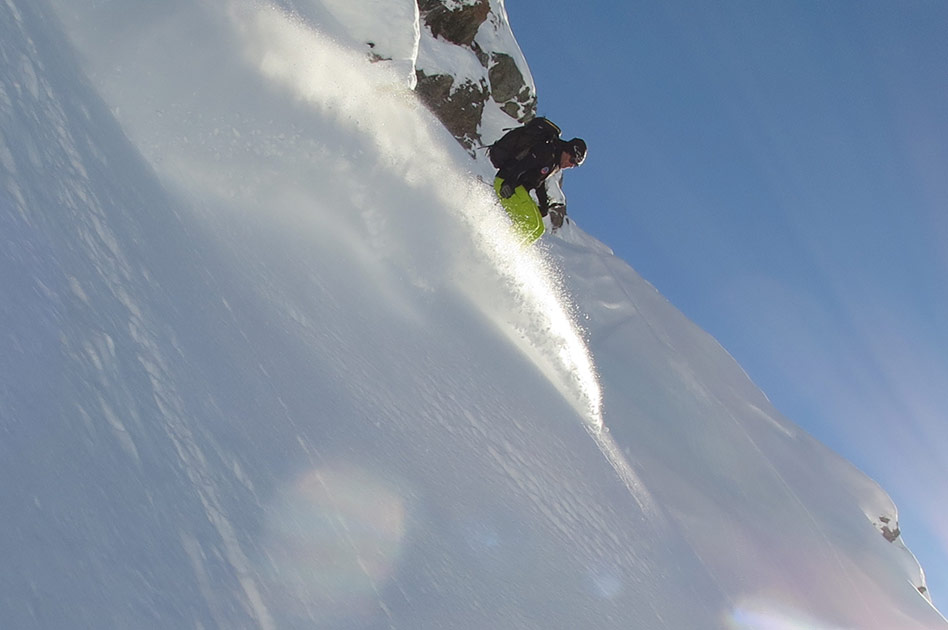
(763, 616)
(605, 582)
(332, 541)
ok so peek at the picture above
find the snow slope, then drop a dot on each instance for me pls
(270, 359)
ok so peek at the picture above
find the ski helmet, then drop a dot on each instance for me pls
(576, 148)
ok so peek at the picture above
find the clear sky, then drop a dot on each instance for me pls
(779, 171)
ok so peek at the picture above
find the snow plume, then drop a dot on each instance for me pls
(212, 116)
(372, 100)
(349, 121)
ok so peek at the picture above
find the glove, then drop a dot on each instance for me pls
(557, 214)
(506, 190)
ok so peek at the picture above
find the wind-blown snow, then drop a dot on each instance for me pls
(396, 44)
(271, 358)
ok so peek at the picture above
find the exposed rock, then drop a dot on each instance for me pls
(509, 89)
(889, 533)
(482, 56)
(506, 81)
(456, 21)
(458, 107)
(460, 101)
(513, 110)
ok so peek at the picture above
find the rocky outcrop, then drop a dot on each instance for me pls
(889, 533)
(470, 64)
(456, 21)
(459, 107)
(509, 90)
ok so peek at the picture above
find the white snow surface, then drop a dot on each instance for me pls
(390, 28)
(270, 358)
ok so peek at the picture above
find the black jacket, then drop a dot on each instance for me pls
(534, 168)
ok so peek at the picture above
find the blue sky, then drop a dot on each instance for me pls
(778, 171)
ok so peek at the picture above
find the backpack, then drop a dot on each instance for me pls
(517, 143)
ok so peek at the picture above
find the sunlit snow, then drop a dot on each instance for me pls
(271, 358)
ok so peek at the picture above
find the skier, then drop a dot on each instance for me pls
(532, 157)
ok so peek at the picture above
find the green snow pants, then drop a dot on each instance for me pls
(523, 211)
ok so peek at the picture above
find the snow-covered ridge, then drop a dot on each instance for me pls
(269, 360)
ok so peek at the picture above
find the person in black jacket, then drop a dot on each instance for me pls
(531, 168)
